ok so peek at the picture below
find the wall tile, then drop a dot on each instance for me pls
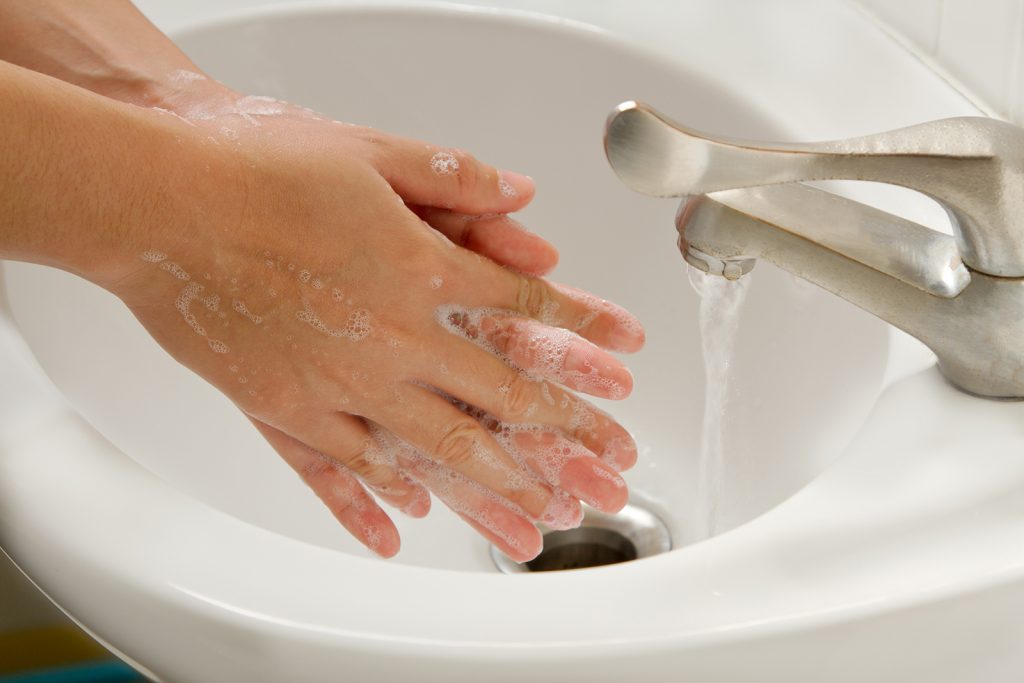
(979, 44)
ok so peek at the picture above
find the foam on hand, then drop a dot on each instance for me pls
(537, 352)
(444, 164)
(238, 306)
(597, 306)
(356, 328)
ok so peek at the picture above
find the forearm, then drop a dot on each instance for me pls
(85, 181)
(106, 46)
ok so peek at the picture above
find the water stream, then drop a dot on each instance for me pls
(720, 303)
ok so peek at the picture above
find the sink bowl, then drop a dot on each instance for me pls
(863, 499)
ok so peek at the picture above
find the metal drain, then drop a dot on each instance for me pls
(601, 539)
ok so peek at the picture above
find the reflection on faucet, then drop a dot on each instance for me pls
(963, 296)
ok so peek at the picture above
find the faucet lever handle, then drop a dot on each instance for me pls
(973, 166)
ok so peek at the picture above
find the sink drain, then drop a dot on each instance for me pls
(601, 539)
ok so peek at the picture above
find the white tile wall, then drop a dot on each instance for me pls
(979, 44)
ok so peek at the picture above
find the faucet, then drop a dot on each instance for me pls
(961, 295)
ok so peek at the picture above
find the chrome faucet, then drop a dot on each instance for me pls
(963, 296)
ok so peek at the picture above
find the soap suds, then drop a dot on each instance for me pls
(356, 328)
(175, 270)
(506, 189)
(153, 256)
(239, 307)
(184, 77)
(545, 349)
(444, 163)
(218, 346)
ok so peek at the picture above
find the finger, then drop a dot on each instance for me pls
(518, 552)
(602, 322)
(347, 439)
(449, 178)
(449, 436)
(567, 465)
(498, 520)
(339, 490)
(512, 398)
(496, 236)
(552, 353)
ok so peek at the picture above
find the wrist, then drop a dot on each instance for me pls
(191, 192)
(105, 46)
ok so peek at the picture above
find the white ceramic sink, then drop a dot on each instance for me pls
(153, 513)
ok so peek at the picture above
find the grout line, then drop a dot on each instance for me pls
(929, 61)
(1014, 90)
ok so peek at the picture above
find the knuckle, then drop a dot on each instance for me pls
(517, 402)
(584, 422)
(373, 138)
(501, 334)
(532, 297)
(374, 474)
(457, 444)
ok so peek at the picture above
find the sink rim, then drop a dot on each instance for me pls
(266, 609)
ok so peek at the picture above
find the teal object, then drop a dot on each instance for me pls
(93, 672)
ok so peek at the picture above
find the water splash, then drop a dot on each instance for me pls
(720, 303)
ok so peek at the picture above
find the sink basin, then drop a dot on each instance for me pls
(781, 434)
(867, 505)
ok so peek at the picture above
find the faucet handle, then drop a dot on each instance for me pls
(973, 166)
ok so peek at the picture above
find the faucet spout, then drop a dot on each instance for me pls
(905, 251)
(974, 167)
(904, 273)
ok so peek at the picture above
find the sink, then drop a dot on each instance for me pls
(866, 505)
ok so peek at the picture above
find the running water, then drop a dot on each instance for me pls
(720, 302)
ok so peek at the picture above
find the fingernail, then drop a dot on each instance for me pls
(512, 184)
(384, 542)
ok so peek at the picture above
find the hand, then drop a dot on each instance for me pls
(371, 350)
(284, 259)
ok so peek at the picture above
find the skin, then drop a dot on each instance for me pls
(369, 306)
